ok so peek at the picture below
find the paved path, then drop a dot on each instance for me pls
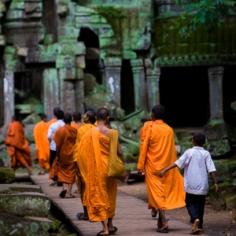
(132, 216)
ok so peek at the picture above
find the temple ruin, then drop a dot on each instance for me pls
(63, 52)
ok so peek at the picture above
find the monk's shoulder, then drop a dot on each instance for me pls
(147, 124)
(112, 132)
(168, 128)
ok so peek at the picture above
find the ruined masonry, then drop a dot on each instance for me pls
(125, 54)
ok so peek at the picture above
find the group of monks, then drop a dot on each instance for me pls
(76, 150)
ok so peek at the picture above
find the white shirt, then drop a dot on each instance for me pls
(51, 131)
(197, 163)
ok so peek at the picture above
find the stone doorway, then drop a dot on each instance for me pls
(28, 92)
(127, 87)
(92, 56)
(181, 86)
(229, 95)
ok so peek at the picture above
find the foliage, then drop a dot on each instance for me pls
(207, 13)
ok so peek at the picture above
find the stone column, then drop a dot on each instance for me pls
(139, 84)
(216, 129)
(112, 79)
(51, 90)
(9, 99)
(152, 78)
(79, 95)
(215, 76)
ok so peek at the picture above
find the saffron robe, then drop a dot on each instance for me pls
(100, 190)
(17, 145)
(65, 138)
(42, 144)
(80, 181)
(157, 151)
(80, 132)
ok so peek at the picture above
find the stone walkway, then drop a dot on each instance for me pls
(132, 216)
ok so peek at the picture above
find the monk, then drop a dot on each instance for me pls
(100, 190)
(157, 150)
(89, 119)
(65, 138)
(41, 143)
(17, 145)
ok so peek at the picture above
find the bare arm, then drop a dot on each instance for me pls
(213, 176)
(163, 172)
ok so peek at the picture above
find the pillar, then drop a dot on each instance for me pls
(216, 130)
(215, 76)
(112, 79)
(9, 102)
(140, 99)
(153, 74)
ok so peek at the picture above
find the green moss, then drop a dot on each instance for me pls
(130, 166)
(115, 17)
(169, 42)
(215, 123)
(7, 175)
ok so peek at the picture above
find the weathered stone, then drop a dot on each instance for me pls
(62, 10)
(2, 40)
(11, 224)
(23, 204)
(80, 62)
(89, 83)
(7, 175)
(2, 7)
(21, 51)
(7, 188)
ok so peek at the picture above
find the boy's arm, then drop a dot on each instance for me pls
(213, 176)
(162, 173)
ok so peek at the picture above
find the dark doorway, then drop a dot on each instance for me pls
(184, 91)
(127, 87)
(92, 58)
(28, 92)
(229, 94)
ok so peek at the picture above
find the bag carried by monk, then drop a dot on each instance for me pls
(116, 167)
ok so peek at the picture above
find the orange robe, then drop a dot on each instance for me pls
(17, 145)
(80, 132)
(100, 190)
(65, 138)
(42, 144)
(157, 151)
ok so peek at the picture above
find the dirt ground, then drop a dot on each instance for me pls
(216, 223)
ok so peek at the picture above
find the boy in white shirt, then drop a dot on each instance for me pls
(197, 163)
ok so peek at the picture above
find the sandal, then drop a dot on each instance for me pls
(113, 231)
(63, 193)
(82, 216)
(164, 230)
(101, 233)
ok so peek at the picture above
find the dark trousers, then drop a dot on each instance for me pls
(195, 205)
(53, 155)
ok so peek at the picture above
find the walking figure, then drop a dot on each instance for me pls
(197, 163)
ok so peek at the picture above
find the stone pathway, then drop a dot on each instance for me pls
(132, 216)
